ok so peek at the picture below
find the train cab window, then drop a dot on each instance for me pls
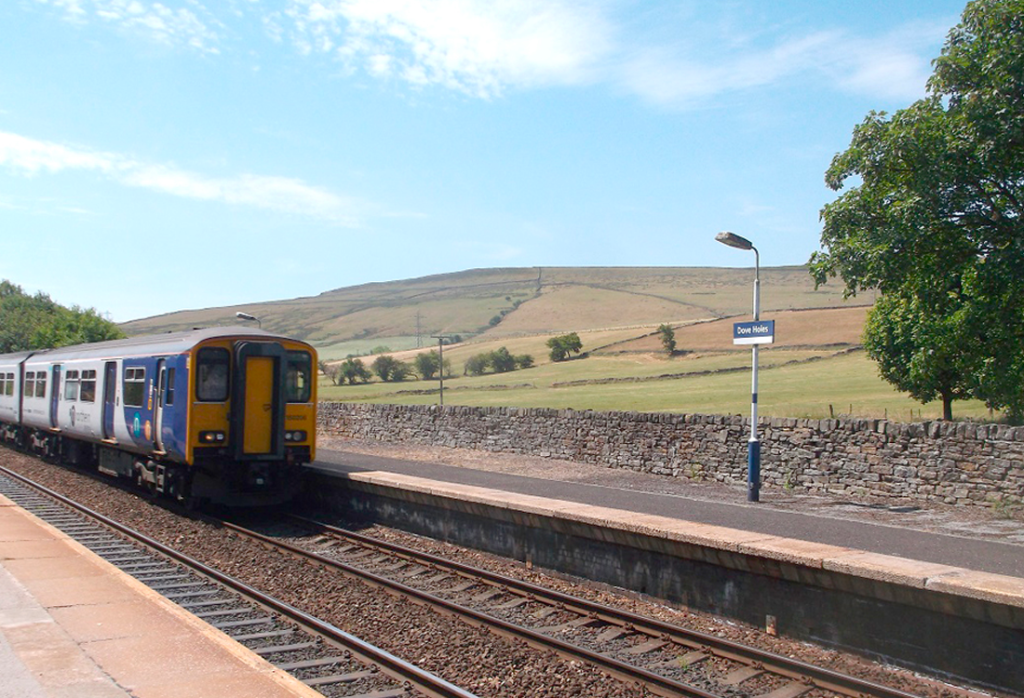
(88, 392)
(212, 364)
(71, 383)
(297, 376)
(134, 386)
(40, 384)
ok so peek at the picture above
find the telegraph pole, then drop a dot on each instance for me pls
(440, 364)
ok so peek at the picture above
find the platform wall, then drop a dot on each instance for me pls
(950, 462)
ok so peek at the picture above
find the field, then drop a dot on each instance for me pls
(815, 368)
(799, 377)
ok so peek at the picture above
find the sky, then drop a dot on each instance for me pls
(160, 156)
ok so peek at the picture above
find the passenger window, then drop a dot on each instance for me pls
(88, 393)
(297, 375)
(71, 385)
(3, 384)
(30, 384)
(40, 384)
(134, 386)
(212, 364)
(169, 388)
(10, 384)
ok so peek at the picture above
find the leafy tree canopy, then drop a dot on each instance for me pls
(390, 370)
(353, 370)
(668, 338)
(935, 221)
(564, 345)
(37, 322)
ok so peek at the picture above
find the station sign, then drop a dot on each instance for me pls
(757, 332)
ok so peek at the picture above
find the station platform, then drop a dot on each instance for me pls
(969, 538)
(74, 626)
(937, 589)
(970, 554)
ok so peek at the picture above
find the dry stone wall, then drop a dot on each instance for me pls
(949, 462)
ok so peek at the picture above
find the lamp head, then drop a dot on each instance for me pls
(734, 240)
(244, 316)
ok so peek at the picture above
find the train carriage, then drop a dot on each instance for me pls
(221, 414)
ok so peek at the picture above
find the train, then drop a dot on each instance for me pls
(222, 415)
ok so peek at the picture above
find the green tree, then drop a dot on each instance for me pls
(427, 364)
(502, 361)
(331, 372)
(919, 352)
(668, 338)
(37, 322)
(524, 360)
(390, 370)
(354, 371)
(564, 345)
(477, 364)
(937, 222)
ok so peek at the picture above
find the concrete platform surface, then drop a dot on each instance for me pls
(74, 626)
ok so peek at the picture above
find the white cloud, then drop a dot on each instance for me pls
(154, 20)
(473, 47)
(679, 57)
(892, 66)
(33, 157)
(484, 49)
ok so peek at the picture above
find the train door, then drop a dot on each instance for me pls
(109, 398)
(259, 403)
(54, 395)
(257, 388)
(158, 406)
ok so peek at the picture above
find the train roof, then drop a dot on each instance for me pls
(169, 343)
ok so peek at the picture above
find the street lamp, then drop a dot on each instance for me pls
(753, 445)
(246, 316)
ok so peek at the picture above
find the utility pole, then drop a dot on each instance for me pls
(440, 364)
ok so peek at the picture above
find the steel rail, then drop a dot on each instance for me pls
(726, 649)
(396, 668)
(655, 682)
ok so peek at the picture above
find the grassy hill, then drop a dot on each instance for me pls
(497, 303)
(814, 369)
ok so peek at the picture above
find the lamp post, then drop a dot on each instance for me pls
(246, 316)
(753, 445)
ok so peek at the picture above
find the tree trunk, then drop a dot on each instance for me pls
(947, 407)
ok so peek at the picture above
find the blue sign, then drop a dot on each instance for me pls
(757, 332)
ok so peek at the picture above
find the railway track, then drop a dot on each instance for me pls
(320, 655)
(647, 655)
(665, 659)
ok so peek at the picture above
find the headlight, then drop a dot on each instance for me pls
(211, 437)
(295, 436)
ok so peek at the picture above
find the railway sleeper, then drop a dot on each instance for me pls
(284, 649)
(735, 678)
(311, 663)
(793, 689)
(350, 677)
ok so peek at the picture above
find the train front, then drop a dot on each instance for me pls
(251, 425)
